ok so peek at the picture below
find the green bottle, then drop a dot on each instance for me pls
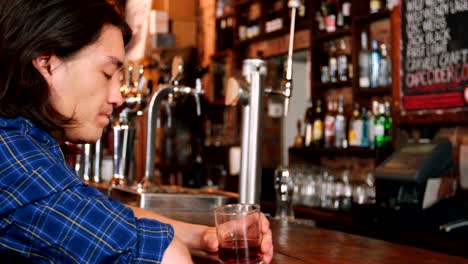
(382, 128)
(388, 124)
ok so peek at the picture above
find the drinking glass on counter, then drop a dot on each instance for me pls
(298, 175)
(238, 230)
(364, 190)
(284, 187)
(328, 190)
(311, 186)
(315, 186)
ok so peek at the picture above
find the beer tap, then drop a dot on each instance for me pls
(135, 98)
(287, 84)
(156, 100)
(249, 92)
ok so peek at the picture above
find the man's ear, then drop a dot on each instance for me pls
(42, 65)
(45, 65)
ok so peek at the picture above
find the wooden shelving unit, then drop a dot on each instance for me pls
(244, 2)
(333, 85)
(369, 18)
(361, 19)
(378, 91)
(333, 35)
(312, 154)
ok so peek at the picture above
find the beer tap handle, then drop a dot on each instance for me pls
(287, 95)
(177, 70)
(197, 102)
(141, 81)
(149, 88)
(199, 88)
(121, 78)
(129, 85)
(143, 84)
(294, 4)
(287, 82)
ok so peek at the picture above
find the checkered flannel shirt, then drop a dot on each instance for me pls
(49, 215)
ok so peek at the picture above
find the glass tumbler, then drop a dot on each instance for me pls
(284, 187)
(238, 227)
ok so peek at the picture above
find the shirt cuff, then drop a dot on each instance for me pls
(153, 239)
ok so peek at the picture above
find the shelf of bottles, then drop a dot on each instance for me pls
(332, 50)
(274, 15)
(374, 15)
(224, 8)
(333, 131)
(249, 21)
(264, 19)
(333, 19)
(336, 68)
(350, 51)
(225, 22)
(374, 69)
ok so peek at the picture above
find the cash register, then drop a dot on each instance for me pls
(416, 176)
(415, 189)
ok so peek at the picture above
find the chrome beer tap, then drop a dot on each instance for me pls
(250, 92)
(135, 94)
(157, 100)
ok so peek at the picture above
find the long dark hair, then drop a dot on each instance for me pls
(29, 28)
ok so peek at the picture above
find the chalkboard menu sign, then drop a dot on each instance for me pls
(434, 59)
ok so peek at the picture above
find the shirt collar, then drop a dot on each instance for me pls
(27, 127)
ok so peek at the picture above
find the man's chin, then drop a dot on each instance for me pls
(88, 136)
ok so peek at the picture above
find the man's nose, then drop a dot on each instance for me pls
(115, 96)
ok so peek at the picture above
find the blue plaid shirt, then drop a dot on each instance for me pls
(49, 215)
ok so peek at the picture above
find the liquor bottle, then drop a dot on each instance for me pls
(332, 63)
(342, 61)
(351, 132)
(221, 34)
(220, 5)
(364, 63)
(375, 6)
(346, 11)
(309, 124)
(229, 33)
(329, 125)
(371, 121)
(298, 139)
(253, 26)
(339, 20)
(375, 63)
(324, 74)
(350, 70)
(382, 131)
(274, 19)
(329, 14)
(355, 127)
(365, 128)
(384, 67)
(318, 125)
(340, 126)
(242, 28)
(320, 22)
(301, 11)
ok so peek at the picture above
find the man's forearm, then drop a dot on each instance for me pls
(190, 234)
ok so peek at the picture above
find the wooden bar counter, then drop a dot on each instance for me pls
(299, 243)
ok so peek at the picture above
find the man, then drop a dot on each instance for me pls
(60, 62)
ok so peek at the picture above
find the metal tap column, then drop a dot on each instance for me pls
(254, 72)
(97, 161)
